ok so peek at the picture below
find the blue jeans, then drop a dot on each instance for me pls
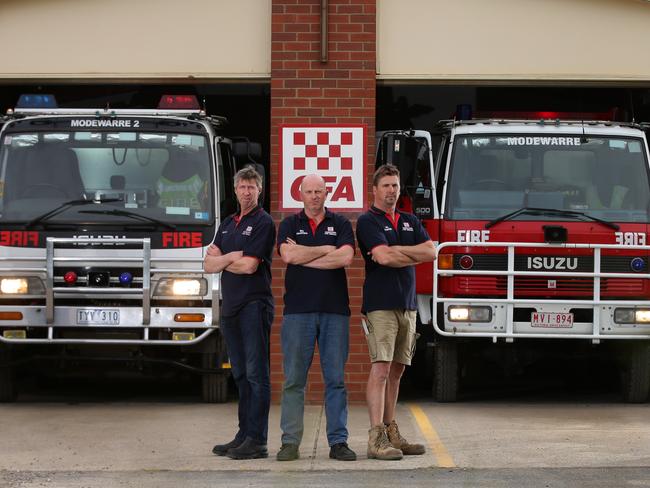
(247, 342)
(299, 335)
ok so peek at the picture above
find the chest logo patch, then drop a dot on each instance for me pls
(330, 231)
(302, 232)
(407, 227)
(247, 231)
(388, 229)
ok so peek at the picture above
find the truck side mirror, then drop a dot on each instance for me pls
(249, 153)
(403, 150)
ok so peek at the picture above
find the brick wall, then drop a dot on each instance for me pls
(306, 91)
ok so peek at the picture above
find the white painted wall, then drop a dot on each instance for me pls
(514, 39)
(135, 39)
(417, 39)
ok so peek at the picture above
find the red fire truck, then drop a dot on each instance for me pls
(542, 238)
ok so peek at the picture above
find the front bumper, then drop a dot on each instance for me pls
(66, 329)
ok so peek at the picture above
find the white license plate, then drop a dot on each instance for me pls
(98, 316)
(552, 320)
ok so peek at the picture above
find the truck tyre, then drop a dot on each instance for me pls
(215, 388)
(445, 375)
(7, 383)
(215, 385)
(635, 377)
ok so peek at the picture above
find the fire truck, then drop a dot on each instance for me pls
(105, 217)
(541, 226)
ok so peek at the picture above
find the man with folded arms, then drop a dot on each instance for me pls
(242, 253)
(392, 243)
(316, 244)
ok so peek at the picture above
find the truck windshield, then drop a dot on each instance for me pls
(161, 176)
(491, 175)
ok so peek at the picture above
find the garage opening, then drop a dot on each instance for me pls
(408, 106)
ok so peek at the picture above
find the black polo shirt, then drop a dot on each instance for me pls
(309, 289)
(387, 288)
(254, 234)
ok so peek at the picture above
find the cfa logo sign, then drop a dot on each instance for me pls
(337, 153)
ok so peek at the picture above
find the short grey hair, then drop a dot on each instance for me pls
(248, 173)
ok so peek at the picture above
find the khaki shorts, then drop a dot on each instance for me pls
(391, 335)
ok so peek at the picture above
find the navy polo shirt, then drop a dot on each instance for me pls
(254, 234)
(387, 288)
(309, 289)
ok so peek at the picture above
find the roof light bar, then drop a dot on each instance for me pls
(548, 115)
(179, 102)
(36, 101)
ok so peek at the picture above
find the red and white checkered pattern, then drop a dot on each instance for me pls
(327, 154)
(336, 153)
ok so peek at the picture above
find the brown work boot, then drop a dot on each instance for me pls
(379, 446)
(397, 441)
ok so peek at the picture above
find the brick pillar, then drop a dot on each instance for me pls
(306, 91)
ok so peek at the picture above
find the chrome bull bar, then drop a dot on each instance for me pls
(510, 330)
(51, 290)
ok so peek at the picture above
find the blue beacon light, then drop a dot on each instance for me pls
(637, 264)
(36, 101)
(126, 278)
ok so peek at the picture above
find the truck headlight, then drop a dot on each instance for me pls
(470, 314)
(632, 315)
(182, 287)
(14, 286)
(27, 285)
(186, 287)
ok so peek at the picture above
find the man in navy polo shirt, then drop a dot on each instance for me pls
(242, 253)
(316, 244)
(392, 242)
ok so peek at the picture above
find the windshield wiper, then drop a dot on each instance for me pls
(552, 212)
(133, 215)
(64, 206)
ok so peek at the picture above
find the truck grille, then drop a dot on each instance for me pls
(585, 264)
(530, 286)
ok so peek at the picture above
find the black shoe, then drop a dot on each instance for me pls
(288, 452)
(249, 449)
(342, 452)
(222, 449)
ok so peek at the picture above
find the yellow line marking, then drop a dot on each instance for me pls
(443, 458)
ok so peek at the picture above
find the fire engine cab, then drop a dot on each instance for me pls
(542, 232)
(105, 216)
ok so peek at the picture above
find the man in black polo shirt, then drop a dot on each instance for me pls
(391, 242)
(316, 244)
(242, 253)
